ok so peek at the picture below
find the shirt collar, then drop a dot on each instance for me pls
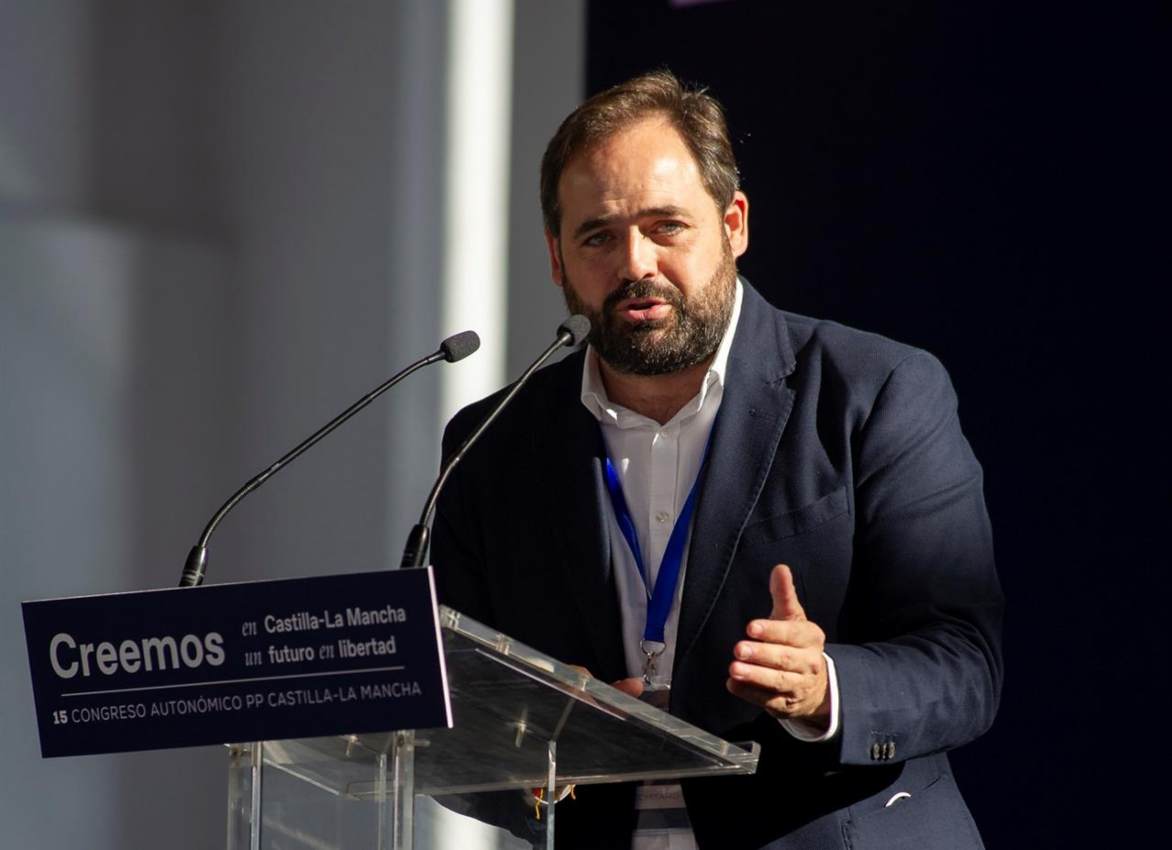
(604, 410)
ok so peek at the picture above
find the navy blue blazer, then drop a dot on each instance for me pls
(836, 452)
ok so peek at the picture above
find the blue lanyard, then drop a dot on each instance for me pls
(661, 597)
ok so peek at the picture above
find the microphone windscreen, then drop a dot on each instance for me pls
(577, 326)
(458, 346)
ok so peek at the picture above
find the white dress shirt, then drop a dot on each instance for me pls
(657, 466)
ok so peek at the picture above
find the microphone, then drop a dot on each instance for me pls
(454, 348)
(571, 333)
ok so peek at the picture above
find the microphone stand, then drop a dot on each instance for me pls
(453, 348)
(571, 333)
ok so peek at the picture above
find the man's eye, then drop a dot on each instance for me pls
(669, 228)
(596, 239)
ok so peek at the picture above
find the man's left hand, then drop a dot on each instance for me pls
(781, 668)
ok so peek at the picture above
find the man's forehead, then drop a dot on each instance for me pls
(652, 147)
(645, 166)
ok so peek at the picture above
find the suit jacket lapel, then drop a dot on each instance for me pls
(753, 412)
(575, 451)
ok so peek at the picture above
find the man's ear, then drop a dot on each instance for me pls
(736, 223)
(555, 258)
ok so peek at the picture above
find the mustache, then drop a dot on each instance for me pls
(643, 289)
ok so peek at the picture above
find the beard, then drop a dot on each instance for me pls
(688, 336)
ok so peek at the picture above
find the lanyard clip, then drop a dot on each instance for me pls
(651, 650)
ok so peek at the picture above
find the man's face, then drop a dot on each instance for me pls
(645, 253)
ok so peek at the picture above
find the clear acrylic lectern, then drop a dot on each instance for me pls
(523, 723)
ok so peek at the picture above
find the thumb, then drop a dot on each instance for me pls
(785, 597)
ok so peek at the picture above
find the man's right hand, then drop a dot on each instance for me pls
(632, 686)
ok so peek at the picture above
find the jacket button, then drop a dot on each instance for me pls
(889, 750)
(876, 751)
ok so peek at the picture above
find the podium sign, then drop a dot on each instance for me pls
(265, 660)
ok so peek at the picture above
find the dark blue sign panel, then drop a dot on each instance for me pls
(265, 660)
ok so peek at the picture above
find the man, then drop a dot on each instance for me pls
(836, 598)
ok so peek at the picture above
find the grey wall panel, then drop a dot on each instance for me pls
(549, 71)
(314, 112)
(112, 364)
(44, 88)
(220, 223)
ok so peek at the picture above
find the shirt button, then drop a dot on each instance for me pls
(662, 517)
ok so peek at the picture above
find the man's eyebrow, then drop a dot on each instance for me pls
(650, 212)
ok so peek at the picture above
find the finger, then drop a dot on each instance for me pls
(799, 633)
(632, 686)
(777, 682)
(778, 705)
(785, 596)
(779, 656)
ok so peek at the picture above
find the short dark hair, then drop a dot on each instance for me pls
(696, 115)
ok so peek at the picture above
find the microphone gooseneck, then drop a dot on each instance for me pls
(571, 333)
(454, 348)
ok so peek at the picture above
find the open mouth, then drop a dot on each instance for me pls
(643, 309)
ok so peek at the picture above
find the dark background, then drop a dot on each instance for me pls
(984, 180)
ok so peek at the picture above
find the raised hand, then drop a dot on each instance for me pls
(781, 667)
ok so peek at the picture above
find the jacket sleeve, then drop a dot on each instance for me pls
(919, 668)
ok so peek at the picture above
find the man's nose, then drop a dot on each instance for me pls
(640, 259)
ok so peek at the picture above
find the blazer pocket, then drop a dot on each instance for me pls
(934, 818)
(803, 519)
